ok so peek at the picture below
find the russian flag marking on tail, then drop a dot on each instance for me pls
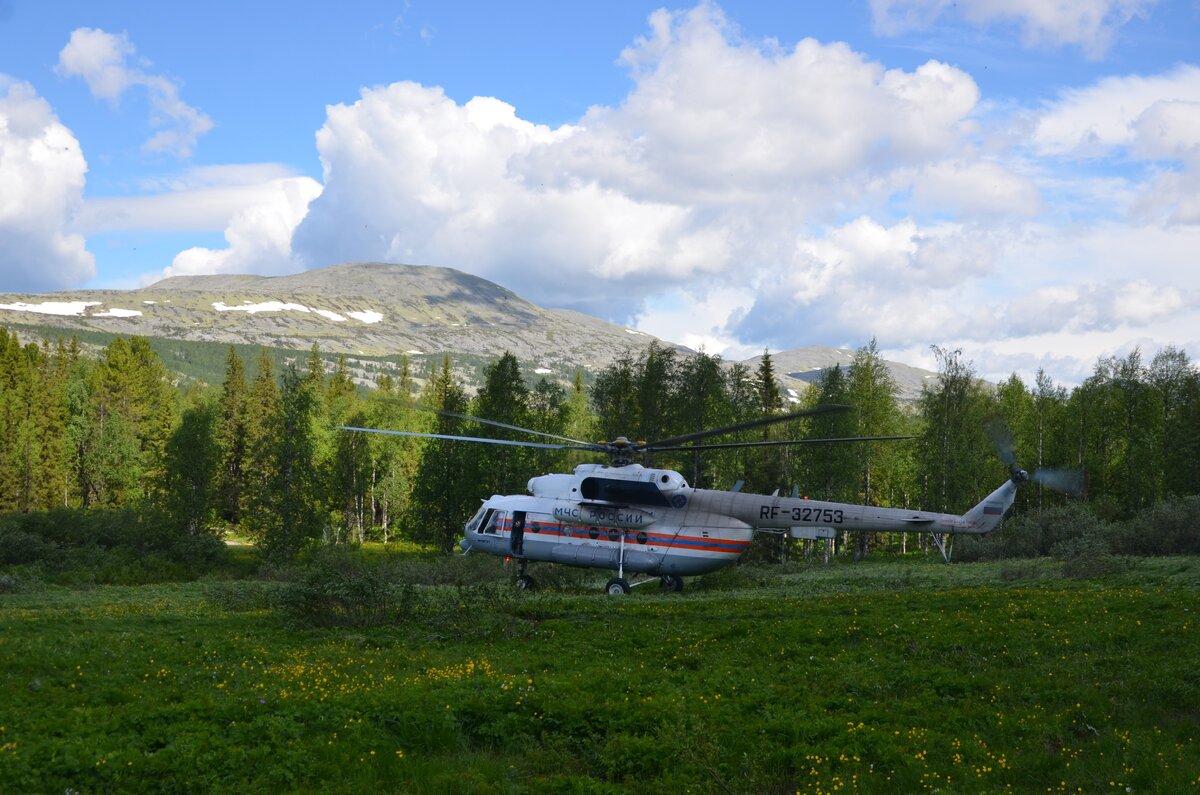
(993, 509)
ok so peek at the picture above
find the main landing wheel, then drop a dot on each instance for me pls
(525, 582)
(616, 587)
(671, 584)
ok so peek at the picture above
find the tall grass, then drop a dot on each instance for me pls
(893, 676)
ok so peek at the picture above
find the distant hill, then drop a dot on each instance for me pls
(371, 312)
(799, 367)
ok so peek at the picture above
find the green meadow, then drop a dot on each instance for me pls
(889, 676)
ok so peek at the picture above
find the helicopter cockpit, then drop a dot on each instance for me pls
(484, 521)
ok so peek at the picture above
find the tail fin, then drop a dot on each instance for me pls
(986, 516)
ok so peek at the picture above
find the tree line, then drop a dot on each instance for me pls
(262, 453)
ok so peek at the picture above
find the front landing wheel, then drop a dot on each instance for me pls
(525, 582)
(671, 584)
(616, 587)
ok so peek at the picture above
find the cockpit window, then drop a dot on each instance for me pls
(484, 521)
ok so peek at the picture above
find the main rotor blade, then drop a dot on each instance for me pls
(1002, 441)
(509, 442)
(729, 445)
(742, 426)
(496, 424)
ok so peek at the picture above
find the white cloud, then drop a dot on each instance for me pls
(746, 193)
(720, 153)
(201, 199)
(42, 171)
(259, 235)
(1087, 24)
(102, 60)
(981, 188)
(1096, 120)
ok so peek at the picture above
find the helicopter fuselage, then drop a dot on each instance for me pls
(649, 521)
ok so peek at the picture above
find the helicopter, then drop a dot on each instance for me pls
(645, 523)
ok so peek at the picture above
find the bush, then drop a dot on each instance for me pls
(1087, 556)
(339, 587)
(18, 547)
(121, 547)
(1169, 528)
(1034, 534)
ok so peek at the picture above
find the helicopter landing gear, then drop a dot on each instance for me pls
(524, 581)
(617, 586)
(671, 584)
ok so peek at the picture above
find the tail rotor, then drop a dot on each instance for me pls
(1066, 481)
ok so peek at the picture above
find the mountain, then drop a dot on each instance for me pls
(798, 367)
(363, 310)
(372, 313)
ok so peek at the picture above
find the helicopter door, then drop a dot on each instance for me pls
(517, 539)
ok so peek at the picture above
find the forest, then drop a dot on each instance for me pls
(116, 451)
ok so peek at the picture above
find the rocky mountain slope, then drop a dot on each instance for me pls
(371, 310)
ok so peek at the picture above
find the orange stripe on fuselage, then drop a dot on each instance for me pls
(673, 543)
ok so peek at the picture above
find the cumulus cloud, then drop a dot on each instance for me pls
(259, 236)
(723, 150)
(747, 193)
(199, 199)
(102, 60)
(43, 171)
(1098, 119)
(973, 189)
(899, 283)
(1087, 24)
(1152, 119)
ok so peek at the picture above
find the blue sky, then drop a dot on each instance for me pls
(1019, 179)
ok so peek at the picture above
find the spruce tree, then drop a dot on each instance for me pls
(443, 499)
(232, 439)
(501, 469)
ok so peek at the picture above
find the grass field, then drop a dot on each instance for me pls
(889, 676)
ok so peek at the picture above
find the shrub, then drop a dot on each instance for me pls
(1169, 528)
(1034, 534)
(19, 547)
(1087, 556)
(338, 587)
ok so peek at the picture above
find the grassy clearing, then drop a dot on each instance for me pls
(900, 676)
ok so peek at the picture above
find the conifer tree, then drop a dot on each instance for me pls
(289, 508)
(580, 422)
(232, 439)
(258, 472)
(769, 399)
(52, 477)
(501, 469)
(442, 498)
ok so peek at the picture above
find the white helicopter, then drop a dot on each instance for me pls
(650, 523)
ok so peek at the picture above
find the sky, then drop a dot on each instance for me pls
(1017, 179)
